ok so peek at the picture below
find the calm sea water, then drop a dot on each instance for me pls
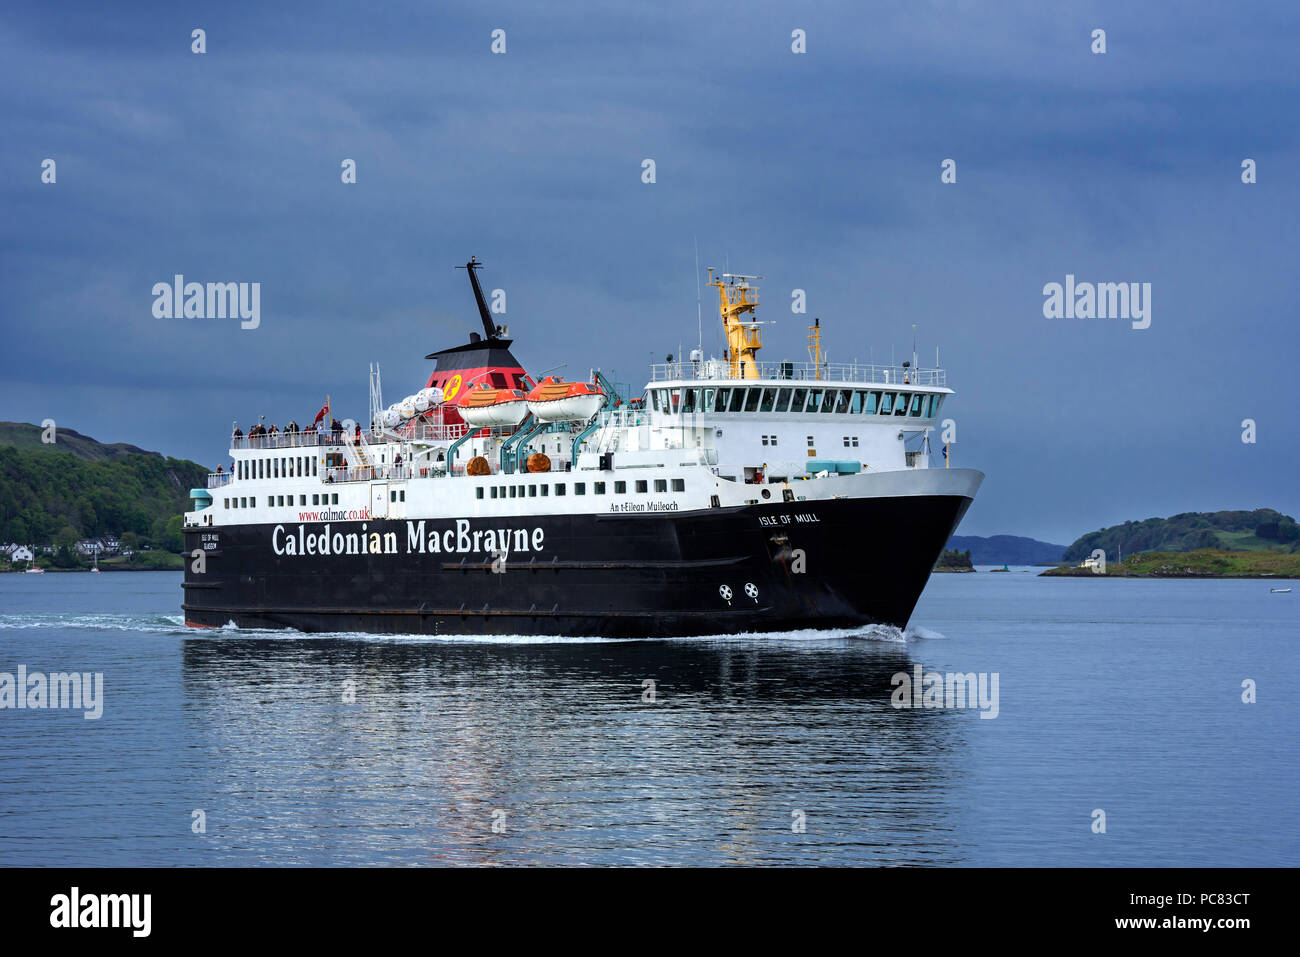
(1120, 696)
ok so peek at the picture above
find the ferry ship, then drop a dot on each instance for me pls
(733, 495)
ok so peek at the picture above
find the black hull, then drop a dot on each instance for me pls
(842, 563)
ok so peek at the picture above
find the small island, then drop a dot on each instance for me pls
(1200, 563)
(954, 561)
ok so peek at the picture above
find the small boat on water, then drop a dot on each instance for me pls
(36, 570)
(1279, 591)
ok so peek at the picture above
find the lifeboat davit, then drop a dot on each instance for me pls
(554, 400)
(486, 407)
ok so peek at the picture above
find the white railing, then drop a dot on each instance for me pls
(289, 440)
(218, 479)
(799, 371)
(371, 473)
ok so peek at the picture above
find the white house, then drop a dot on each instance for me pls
(21, 554)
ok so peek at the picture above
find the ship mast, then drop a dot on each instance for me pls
(737, 295)
(489, 325)
(815, 347)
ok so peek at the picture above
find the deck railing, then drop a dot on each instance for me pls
(713, 369)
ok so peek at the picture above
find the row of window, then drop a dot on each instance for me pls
(250, 501)
(776, 399)
(284, 466)
(579, 488)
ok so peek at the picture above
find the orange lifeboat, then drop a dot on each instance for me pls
(485, 407)
(554, 400)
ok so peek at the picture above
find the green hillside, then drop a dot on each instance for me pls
(1260, 530)
(24, 435)
(80, 488)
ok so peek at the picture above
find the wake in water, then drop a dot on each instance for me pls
(146, 624)
(175, 625)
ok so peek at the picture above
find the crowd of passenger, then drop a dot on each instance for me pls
(334, 433)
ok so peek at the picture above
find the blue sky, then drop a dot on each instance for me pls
(819, 171)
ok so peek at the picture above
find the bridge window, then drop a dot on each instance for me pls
(709, 395)
(751, 399)
(935, 399)
(842, 400)
(769, 398)
(900, 403)
(799, 399)
(782, 401)
(916, 404)
(737, 400)
(724, 396)
(886, 403)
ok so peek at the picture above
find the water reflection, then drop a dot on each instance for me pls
(558, 737)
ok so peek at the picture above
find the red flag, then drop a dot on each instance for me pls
(324, 409)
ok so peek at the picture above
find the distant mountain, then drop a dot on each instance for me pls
(80, 488)
(24, 435)
(1262, 529)
(1007, 550)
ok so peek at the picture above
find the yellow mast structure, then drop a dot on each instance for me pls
(737, 296)
(815, 347)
